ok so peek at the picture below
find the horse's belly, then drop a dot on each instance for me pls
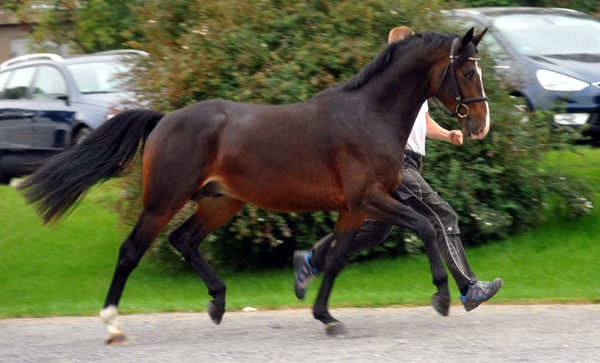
(295, 197)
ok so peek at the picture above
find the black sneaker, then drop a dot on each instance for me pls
(304, 272)
(479, 292)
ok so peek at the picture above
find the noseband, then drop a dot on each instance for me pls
(462, 110)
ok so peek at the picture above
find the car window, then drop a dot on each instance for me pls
(19, 83)
(493, 47)
(49, 84)
(531, 34)
(97, 77)
(3, 78)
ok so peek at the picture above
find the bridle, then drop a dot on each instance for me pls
(462, 110)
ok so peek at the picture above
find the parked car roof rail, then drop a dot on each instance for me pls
(30, 57)
(123, 51)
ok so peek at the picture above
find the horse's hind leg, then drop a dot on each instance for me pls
(145, 231)
(210, 213)
(346, 227)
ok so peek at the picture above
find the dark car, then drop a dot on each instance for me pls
(552, 55)
(48, 103)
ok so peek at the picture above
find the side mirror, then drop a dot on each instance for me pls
(64, 98)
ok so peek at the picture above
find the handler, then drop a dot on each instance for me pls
(415, 192)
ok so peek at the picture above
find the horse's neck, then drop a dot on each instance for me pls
(408, 79)
(401, 90)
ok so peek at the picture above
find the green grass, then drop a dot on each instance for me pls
(67, 270)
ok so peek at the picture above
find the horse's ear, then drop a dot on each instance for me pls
(466, 38)
(477, 38)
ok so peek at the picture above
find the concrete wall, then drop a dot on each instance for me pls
(13, 39)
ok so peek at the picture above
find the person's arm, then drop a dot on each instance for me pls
(435, 131)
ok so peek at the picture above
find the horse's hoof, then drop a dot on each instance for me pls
(117, 339)
(440, 304)
(215, 313)
(337, 329)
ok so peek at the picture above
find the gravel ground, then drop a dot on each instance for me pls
(492, 333)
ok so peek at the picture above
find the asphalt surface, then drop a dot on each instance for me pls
(491, 333)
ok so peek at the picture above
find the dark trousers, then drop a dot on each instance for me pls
(415, 192)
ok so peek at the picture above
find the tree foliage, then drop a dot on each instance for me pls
(94, 25)
(87, 26)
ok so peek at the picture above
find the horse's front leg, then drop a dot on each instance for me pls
(346, 227)
(388, 210)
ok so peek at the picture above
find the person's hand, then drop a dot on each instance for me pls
(455, 137)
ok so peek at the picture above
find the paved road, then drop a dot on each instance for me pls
(536, 333)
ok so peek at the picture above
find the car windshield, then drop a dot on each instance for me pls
(98, 77)
(531, 34)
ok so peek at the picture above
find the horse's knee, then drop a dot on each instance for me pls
(425, 230)
(186, 241)
(334, 263)
(177, 237)
(174, 238)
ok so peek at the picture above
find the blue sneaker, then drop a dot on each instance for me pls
(304, 272)
(479, 292)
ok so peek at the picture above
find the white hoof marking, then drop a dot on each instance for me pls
(109, 317)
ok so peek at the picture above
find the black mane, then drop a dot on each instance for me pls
(377, 65)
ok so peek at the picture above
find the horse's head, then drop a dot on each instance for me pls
(458, 81)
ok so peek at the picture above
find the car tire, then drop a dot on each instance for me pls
(81, 134)
(4, 179)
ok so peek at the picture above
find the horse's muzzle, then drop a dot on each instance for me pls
(481, 134)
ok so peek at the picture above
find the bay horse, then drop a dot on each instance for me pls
(339, 150)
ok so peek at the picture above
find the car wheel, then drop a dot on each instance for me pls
(81, 134)
(4, 179)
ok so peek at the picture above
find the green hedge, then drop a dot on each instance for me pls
(277, 52)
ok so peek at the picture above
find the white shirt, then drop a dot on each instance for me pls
(416, 139)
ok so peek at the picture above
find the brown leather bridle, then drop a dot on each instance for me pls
(462, 110)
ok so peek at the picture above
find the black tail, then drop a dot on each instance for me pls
(64, 179)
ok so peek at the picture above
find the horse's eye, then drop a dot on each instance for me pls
(469, 75)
